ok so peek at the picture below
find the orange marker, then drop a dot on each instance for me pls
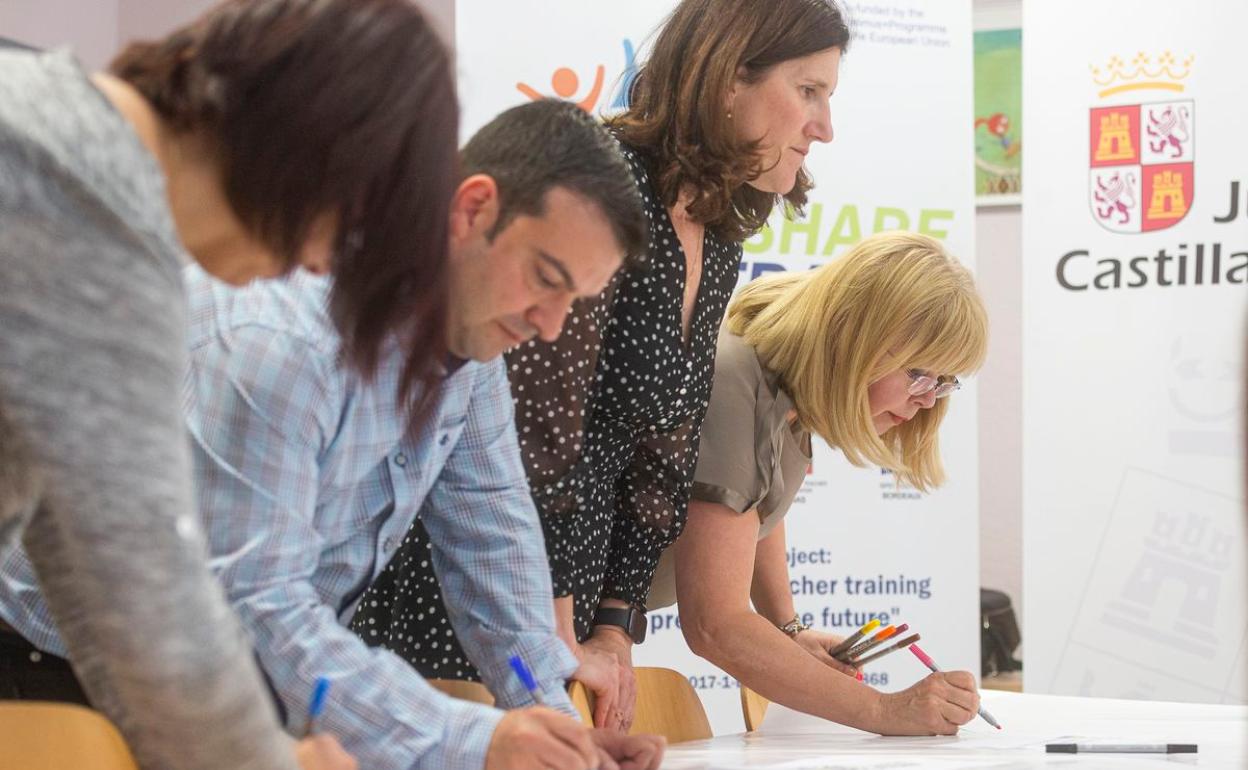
(871, 643)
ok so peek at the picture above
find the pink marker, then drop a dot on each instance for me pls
(927, 661)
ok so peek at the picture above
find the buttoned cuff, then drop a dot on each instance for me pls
(552, 664)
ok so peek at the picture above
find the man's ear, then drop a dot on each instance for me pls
(474, 207)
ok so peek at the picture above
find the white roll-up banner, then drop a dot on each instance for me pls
(1135, 270)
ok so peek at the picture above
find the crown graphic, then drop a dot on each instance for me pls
(1144, 72)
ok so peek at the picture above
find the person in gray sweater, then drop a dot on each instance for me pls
(266, 135)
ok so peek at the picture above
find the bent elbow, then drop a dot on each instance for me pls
(703, 637)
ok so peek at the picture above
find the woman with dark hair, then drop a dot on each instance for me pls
(267, 135)
(722, 115)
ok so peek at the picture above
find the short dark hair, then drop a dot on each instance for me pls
(317, 107)
(535, 147)
(676, 114)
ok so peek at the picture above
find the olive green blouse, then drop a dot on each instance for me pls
(751, 459)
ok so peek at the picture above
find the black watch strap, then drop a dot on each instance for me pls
(631, 619)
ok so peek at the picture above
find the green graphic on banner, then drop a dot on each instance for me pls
(998, 112)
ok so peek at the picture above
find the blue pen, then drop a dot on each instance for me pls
(526, 678)
(319, 693)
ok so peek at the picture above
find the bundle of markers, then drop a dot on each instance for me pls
(854, 650)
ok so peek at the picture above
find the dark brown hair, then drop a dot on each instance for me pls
(530, 149)
(343, 107)
(676, 115)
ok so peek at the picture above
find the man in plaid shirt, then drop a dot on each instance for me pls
(309, 478)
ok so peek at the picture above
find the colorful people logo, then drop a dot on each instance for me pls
(566, 83)
(630, 74)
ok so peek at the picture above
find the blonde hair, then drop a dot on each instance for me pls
(896, 300)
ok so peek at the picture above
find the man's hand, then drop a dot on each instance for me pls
(614, 642)
(629, 752)
(538, 738)
(323, 752)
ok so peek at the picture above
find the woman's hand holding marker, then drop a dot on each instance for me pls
(936, 705)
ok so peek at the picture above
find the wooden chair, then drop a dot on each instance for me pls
(753, 708)
(59, 736)
(667, 705)
(582, 701)
(470, 691)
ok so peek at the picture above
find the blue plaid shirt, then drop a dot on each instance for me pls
(308, 479)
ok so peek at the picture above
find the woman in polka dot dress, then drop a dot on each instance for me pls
(722, 116)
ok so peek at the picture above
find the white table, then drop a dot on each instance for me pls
(788, 739)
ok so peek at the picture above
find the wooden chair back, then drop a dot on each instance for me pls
(667, 705)
(59, 736)
(753, 708)
(469, 691)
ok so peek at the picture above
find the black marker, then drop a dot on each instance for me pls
(1120, 748)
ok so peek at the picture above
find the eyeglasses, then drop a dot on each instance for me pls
(922, 383)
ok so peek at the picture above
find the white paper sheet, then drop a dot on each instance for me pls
(789, 740)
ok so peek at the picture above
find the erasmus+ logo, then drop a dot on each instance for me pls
(1141, 155)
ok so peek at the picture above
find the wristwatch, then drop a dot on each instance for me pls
(631, 619)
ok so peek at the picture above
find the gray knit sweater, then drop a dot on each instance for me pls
(95, 473)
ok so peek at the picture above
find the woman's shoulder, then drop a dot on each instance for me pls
(737, 358)
(737, 363)
(58, 132)
(638, 162)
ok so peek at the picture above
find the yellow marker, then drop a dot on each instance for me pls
(851, 641)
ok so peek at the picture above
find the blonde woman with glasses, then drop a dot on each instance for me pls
(863, 353)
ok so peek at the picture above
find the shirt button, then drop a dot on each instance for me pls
(388, 545)
(400, 460)
(445, 438)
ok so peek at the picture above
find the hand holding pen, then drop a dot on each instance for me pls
(536, 738)
(931, 664)
(320, 751)
(938, 704)
(611, 749)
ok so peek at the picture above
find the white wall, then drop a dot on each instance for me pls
(96, 29)
(998, 268)
(90, 28)
(998, 243)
